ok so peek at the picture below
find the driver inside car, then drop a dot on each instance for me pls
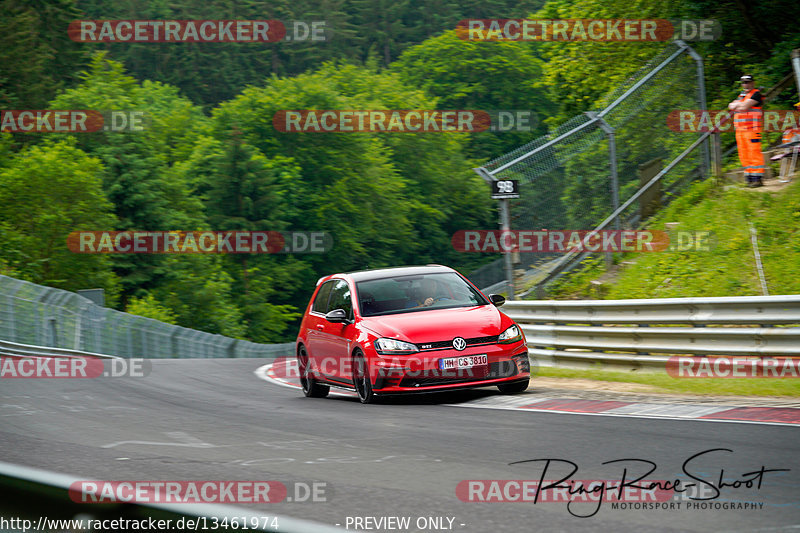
(426, 294)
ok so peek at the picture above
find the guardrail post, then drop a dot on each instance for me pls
(540, 292)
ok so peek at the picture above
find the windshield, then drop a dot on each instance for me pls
(406, 294)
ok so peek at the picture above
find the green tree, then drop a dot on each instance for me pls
(48, 192)
(144, 179)
(212, 73)
(198, 290)
(480, 75)
(444, 194)
(37, 58)
(136, 171)
(756, 36)
(386, 198)
(149, 307)
(344, 177)
(243, 190)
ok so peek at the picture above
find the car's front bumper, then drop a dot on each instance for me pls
(421, 372)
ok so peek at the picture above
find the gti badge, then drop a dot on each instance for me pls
(459, 343)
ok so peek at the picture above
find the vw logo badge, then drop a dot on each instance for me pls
(459, 343)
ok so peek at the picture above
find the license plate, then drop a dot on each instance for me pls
(465, 361)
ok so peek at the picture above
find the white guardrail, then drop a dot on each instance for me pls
(646, 333)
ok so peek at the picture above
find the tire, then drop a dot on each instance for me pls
(361, 381)
(514, 387)
(311, 389)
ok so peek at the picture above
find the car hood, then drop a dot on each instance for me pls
(439, 324)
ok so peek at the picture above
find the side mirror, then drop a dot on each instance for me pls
(497, 299)
(337, 316)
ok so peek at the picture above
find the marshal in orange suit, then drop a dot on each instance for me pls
(748, 121)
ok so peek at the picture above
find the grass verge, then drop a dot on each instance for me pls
(667, 384)
(727, 269)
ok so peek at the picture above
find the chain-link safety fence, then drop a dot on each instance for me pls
(582, 171)
(44, 316)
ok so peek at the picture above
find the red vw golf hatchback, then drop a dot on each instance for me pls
(405, 330)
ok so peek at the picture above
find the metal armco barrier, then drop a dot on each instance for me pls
(645, 333)
(31, 494)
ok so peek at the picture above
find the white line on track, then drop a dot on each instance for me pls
(266, 372)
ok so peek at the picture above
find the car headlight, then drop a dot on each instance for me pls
(394, 346)
(512, 334)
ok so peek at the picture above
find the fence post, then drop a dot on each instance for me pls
(701, 97)
(52, 329)
(716, 151)
(173, 342)
(129, 330)
(795, 55)
(612, 157)
(505, 225)
(12, 307)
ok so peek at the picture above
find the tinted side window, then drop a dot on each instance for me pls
(321, 301)
(340, 298)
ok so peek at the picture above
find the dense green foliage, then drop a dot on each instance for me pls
(37, 58)
(210, 158)
(358, 30)
(47, 192)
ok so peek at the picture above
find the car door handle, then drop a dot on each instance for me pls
(320, 327)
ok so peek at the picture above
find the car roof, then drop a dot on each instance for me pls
(364, 275)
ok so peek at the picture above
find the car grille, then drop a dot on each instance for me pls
(446, 345)
(499, 369)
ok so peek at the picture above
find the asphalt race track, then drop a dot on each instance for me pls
(404, 457)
